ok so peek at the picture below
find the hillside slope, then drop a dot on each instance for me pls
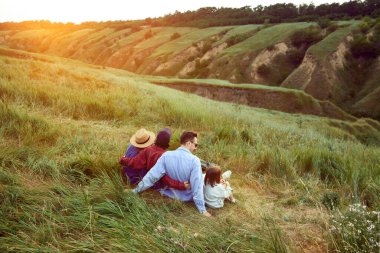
(64, 125)
(258, 54)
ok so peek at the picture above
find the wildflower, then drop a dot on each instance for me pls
(159, 228)
(371, 227)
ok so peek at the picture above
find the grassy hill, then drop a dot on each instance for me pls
(65, 123)
(294, 55)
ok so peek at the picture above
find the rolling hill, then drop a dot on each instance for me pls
(279, 105)
(292, 55)
(64, 123)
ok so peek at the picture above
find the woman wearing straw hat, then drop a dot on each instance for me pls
(140, 140)
(137, 165)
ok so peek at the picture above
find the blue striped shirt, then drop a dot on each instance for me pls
(180, 165)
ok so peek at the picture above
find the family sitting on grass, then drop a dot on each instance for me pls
(176, 174)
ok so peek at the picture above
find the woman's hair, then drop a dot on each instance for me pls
(213, 175)
(163, 138)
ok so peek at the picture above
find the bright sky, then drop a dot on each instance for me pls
(102, 10)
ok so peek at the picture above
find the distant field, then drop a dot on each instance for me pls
(329, 45)
(32, 34)
(254, 54)
(161, 36)
(236, 30)
(186, 41)
(265, 37)
(61, 44)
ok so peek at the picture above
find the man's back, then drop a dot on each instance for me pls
(181, 165)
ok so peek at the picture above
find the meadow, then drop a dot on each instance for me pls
(64, 125)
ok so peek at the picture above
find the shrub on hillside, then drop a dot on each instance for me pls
(364, 27)
(135, 28)
(206, 46)
(271, 47)
(222, 33)
(148, 34)
(332, 28)
(295, 56)
(324, 22)
(361, 47)
(306, 36)
(375, 13)
(263, 70)
(238, 38)
(376, 27)
(175, 36)
(369, 20)
(266, 22)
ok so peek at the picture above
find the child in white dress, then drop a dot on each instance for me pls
(217, 188)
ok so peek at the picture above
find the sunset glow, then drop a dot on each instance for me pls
(99, 10)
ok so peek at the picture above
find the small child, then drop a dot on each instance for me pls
(217, 188)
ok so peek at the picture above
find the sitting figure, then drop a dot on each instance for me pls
(217, 188)
(139, 141)
(180, 165)
(136, 166)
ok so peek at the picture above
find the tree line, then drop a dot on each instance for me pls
(276, 13)
(212, 16)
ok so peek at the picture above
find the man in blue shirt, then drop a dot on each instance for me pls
(180, 165)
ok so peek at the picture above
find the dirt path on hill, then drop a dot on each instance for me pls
(285, 101)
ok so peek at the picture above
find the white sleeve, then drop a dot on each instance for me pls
(222, 192)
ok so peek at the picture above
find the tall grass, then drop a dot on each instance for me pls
(64, 125)
(26, 129)
(101, 218)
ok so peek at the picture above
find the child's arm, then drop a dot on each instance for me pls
(222, 191)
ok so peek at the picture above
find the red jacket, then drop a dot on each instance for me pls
(147, 158)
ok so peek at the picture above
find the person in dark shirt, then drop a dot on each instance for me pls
(141, 163)
(140, 140)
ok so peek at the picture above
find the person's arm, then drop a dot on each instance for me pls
(137, 162)
(153, 175)
(222, 191)
(196, 183)
(172, 183)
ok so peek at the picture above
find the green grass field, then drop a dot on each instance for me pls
(162, 36)
(237, 30)
(265, 37)
(329, 44)
(64, 125)
(186, 41)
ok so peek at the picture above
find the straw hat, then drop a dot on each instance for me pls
(142, 138)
